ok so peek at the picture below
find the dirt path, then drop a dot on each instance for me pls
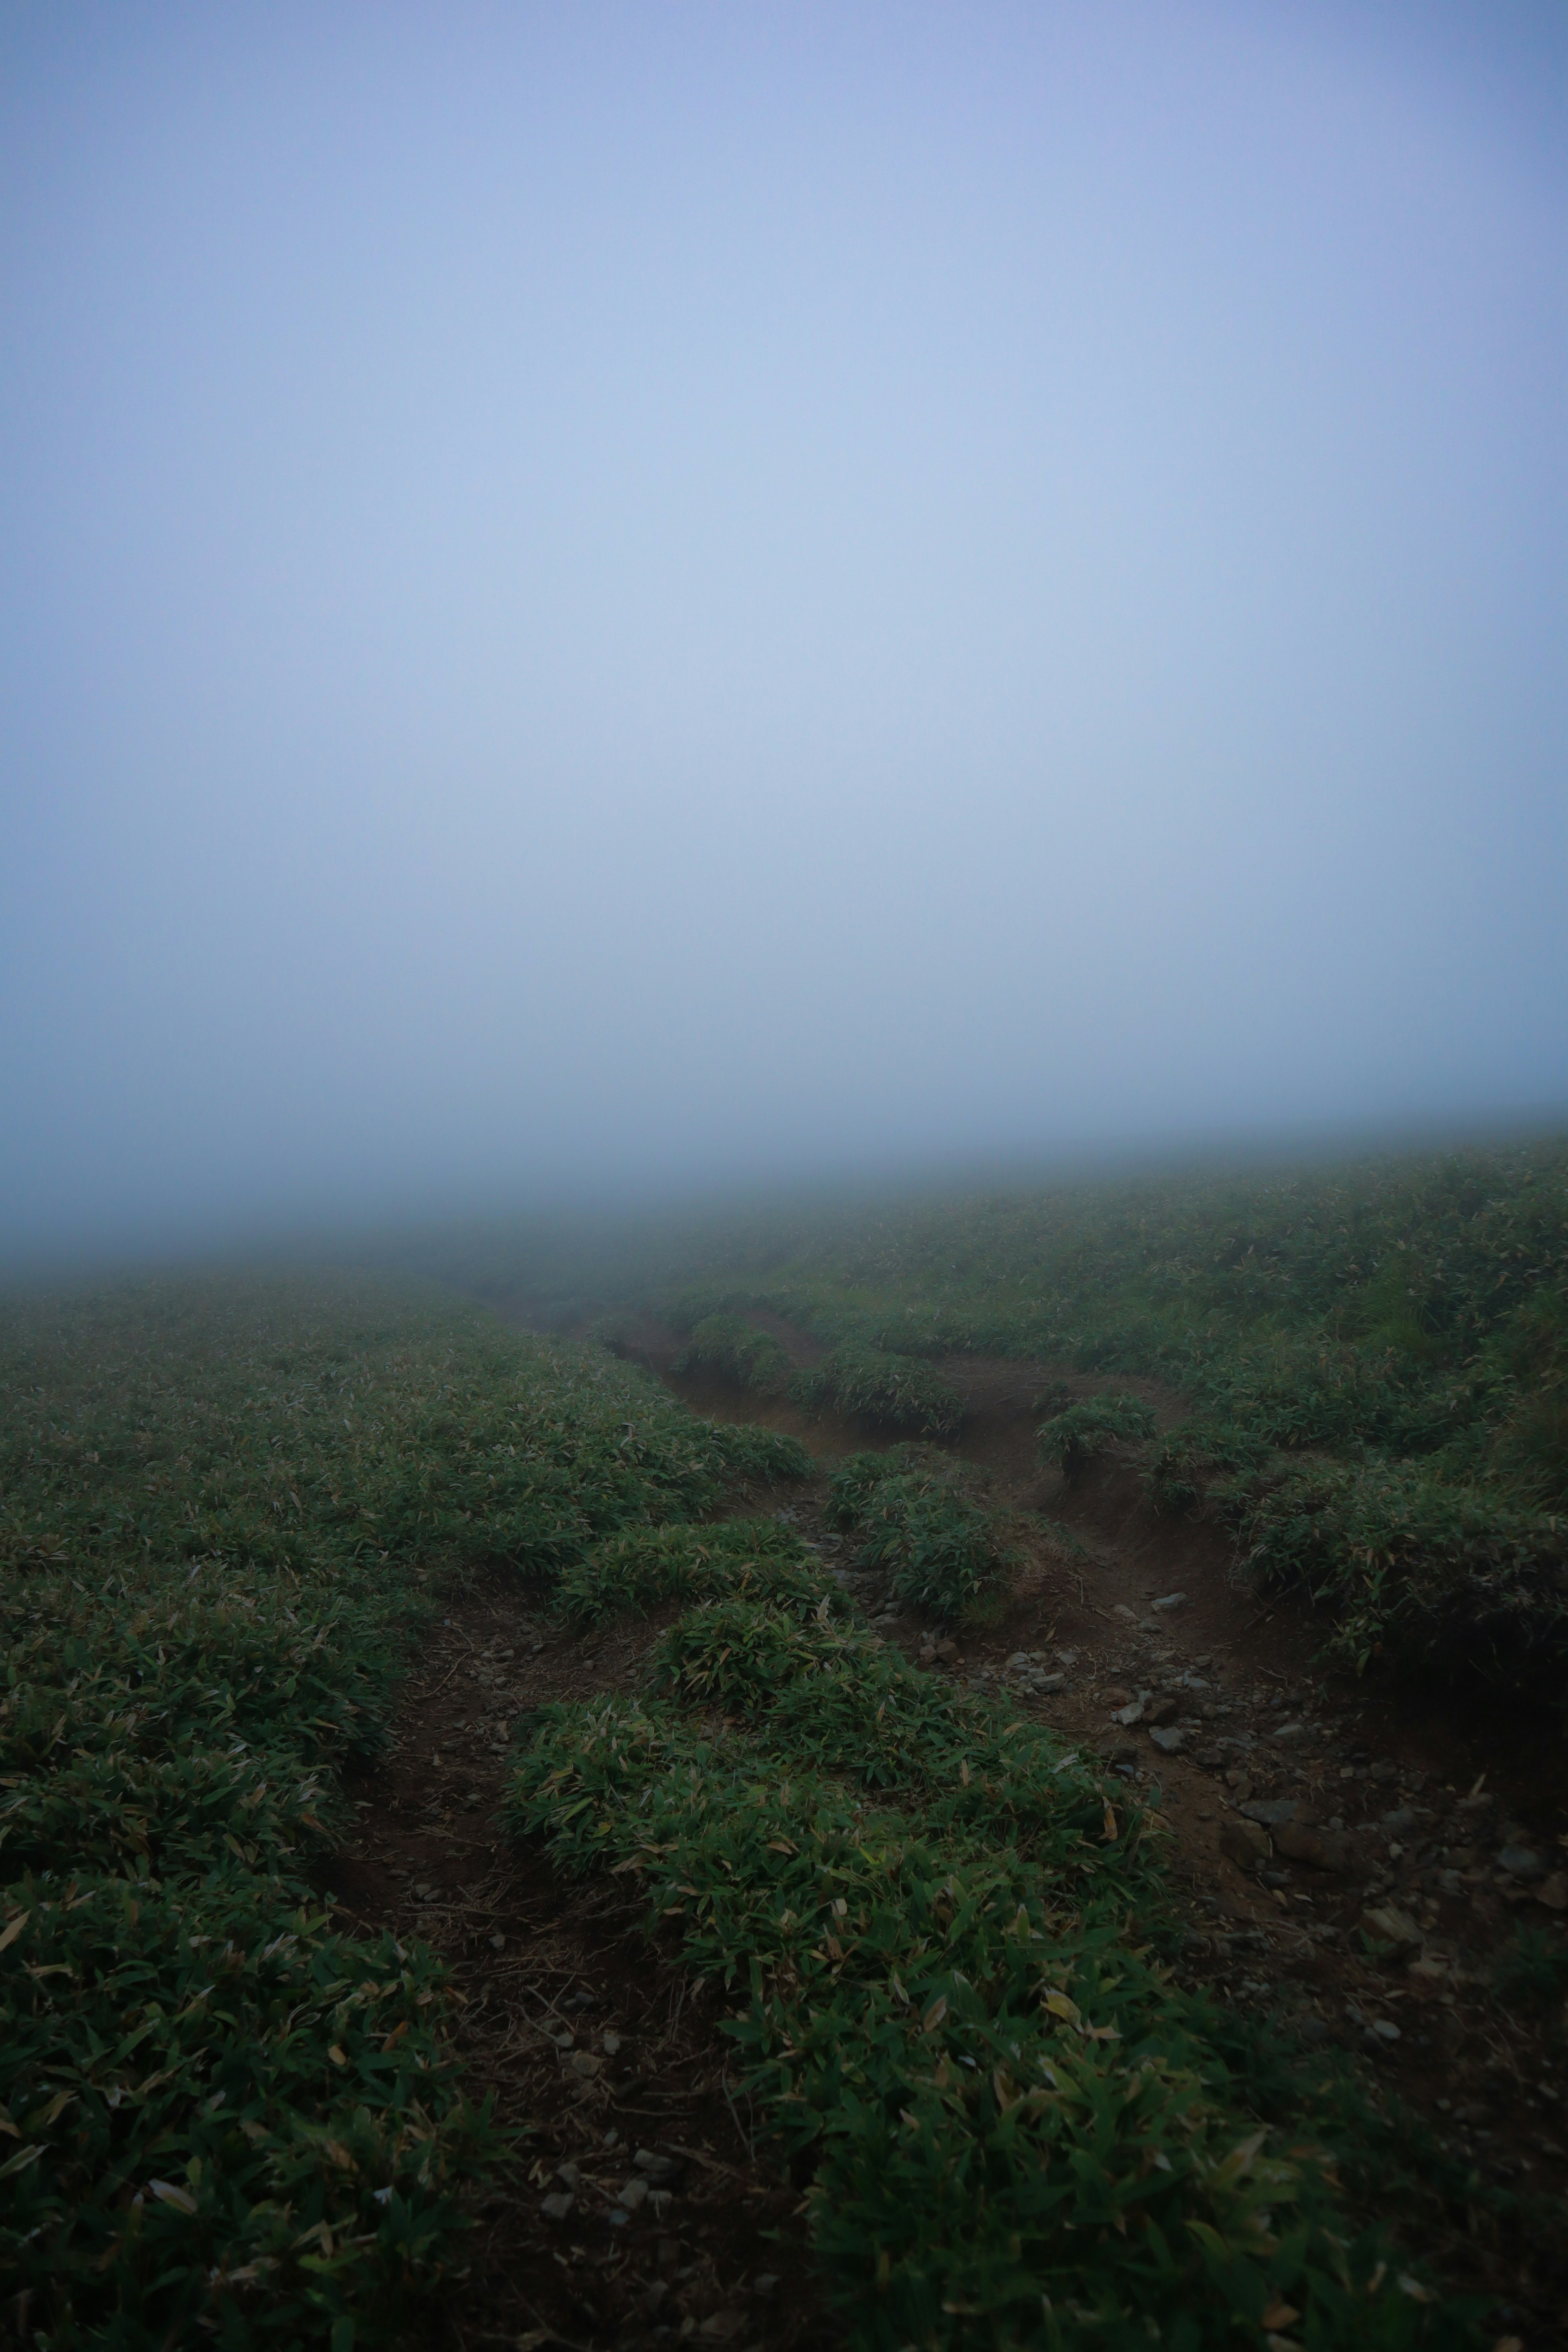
(1306, 1811)
(638, 2212)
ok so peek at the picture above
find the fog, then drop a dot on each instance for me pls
(603, 597)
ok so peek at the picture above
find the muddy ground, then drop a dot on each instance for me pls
(1307, 1812)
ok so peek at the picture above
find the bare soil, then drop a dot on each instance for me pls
(594, 2047)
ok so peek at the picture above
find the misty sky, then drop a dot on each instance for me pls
(591, 593)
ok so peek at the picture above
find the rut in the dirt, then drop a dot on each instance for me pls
(637, 2210)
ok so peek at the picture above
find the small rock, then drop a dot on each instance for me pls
(634, 2192)
(1299, 1844)
(1161, 1710)
(1131, 1713)
(1272, 1811)
(1313, 2030)
(569, 2175)
(1521, 1861)
(1243, 1843)
(766, 2284)
(1385, 1769)
(1171, 1601)
(1121, 1610)
(1389, 1925)
(657, 2168)
(556, 2208)
(1553, 1891)
(1430, 1970)
(1386, 2028)
(585, 2064)
(1290, 1733)
(612, 2044)
(1169, 1740)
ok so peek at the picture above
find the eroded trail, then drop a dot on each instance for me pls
(1367, 1863)
(1340, 1869)
(638, 2210)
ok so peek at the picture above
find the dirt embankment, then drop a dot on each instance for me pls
(1357, 1861)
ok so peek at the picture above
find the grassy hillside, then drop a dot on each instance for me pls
(1377, 1354)
(225, 1506)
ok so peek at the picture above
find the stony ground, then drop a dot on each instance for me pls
(1353, 1859)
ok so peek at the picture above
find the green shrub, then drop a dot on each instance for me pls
(1444, 1575)
(898, 1392)
(645, 1565)
(1176, 1476)
(1099, 1424)
(748, 1453)
(734, 1350)
(919, 1515)
(224, 2115)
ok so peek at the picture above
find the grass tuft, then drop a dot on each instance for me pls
(645, 1565)
(1099, 1424)
(735, 1351)
(898, 1392)
(921, 1515)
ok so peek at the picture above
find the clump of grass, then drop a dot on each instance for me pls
(1099, 1424)
(223, 2115)
(822, 1689)
(735, 1351)
(1019, 2129)
(1445, 1575)
(645, 1565)
(1190, 1460)
(922, 1516)
(898, 1392)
